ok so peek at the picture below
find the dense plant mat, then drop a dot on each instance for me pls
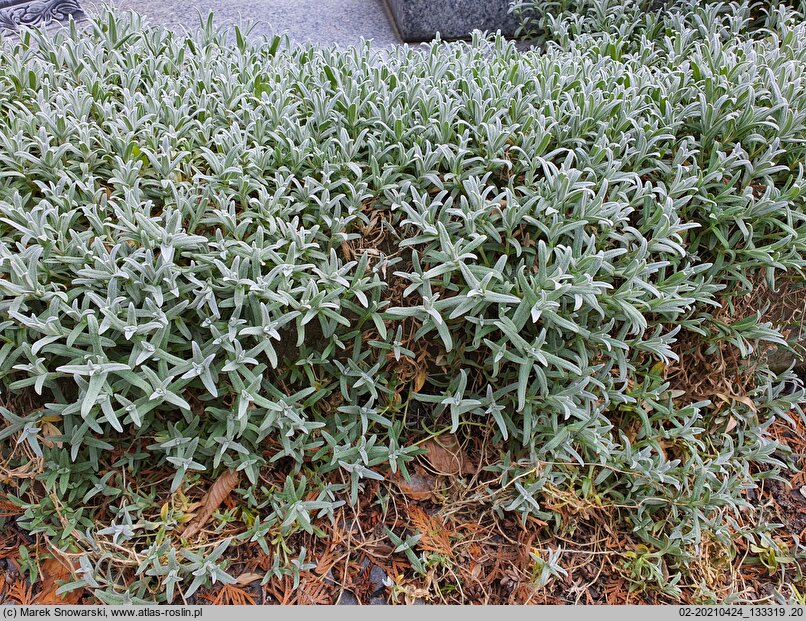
(492, 320)
(626, 23)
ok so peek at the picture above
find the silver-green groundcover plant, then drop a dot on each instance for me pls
(625, 24)
(189, 279)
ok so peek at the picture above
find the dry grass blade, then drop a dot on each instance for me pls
(212, 500)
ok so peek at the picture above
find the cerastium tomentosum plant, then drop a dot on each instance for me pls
(219, 255)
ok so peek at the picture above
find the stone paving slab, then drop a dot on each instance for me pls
(343, 22)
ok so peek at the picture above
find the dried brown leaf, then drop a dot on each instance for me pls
(731, 424)
(212, 501)
(723, 397)
(248, 578)
(346, 250)
(419, 379)
(446, 455)
(54, 574)
(420, 487)
(748, 402)
(49, 430)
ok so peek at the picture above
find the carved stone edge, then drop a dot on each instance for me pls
(38, 13)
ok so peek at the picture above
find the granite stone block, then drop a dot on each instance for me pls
(421, 20)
